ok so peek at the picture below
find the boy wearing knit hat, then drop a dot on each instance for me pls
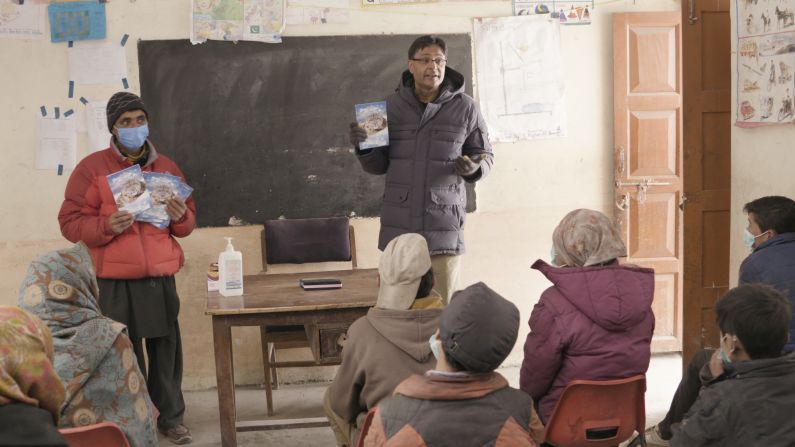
(135, 262)
(390, 343)
(463, 401)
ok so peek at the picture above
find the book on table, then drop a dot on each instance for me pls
(320, 283)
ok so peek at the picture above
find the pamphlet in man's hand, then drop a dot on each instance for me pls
(162, 187)
(129, 190)
(372, 118)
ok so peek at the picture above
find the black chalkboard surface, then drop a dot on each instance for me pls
(261, 130)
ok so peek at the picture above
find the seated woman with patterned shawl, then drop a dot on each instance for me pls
(31, 392)
(93, 354)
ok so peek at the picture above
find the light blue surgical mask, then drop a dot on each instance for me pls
(552, 254)
(749, 239)
(435, 346)
(133, 137)
(722, 354)
(724, 358)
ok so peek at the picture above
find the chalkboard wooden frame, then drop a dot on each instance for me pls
(260, 130)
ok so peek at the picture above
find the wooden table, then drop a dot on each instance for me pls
(276, 299)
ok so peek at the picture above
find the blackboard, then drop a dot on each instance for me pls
(260, 130)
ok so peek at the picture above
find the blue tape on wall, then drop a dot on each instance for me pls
(124, 39)
(57, 112)
(83, 100)
(71, 89)
(43, 111)
(124, 82)
(68, 112)
(60, 169)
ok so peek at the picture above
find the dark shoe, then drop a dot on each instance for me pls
(178, 434)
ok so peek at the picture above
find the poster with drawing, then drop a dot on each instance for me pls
(571, 12)
(234, 20)
(519, 67)
(25, 21)
(765, 61)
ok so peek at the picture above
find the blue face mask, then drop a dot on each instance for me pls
(722, 355)
(749, 239)
(435, 346)
(552, 255)
(724, 358)
(133, 138)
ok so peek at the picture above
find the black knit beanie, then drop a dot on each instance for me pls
(123, 102)
(478, 328)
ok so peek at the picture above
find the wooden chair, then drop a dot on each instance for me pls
(594, 413)
(105, 434)
(299, 241)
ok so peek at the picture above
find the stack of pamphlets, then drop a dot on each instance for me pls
(129, 190)
(145, 194)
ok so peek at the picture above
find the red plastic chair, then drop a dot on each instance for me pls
(600, 413)
(105, 434)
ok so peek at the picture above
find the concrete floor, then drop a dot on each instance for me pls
(305, 401)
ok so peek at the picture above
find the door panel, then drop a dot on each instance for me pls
(648, 146)
(707, 152)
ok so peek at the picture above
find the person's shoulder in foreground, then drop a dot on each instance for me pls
(750, 399)
(463, 401)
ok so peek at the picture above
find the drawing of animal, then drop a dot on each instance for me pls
(784, 18)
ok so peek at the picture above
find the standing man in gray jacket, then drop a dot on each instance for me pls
(437, 141)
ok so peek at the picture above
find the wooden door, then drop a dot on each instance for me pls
(647, 89)
(707, 137)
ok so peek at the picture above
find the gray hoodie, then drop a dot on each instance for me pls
(754, 406)
(423, 194)
(383, 348)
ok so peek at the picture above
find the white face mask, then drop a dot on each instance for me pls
(434, 346)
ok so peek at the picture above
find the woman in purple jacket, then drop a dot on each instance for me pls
(595, 322)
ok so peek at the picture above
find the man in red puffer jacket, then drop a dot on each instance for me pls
(135, 261)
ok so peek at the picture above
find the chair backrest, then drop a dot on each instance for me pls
(105, 434)
(299, 241)
(594, 413)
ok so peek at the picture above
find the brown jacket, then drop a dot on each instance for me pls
(442, 409)
(383, 348)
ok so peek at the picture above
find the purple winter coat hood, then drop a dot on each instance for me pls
(594, 323)
(616, 297)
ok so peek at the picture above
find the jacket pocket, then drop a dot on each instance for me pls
(396, 194)
(402, 132)
(447, 196)
(394, 210)
(446, 142)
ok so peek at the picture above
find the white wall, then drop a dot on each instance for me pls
(532, 186)
(763, 164)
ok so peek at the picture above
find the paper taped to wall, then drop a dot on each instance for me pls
(97, 63)
(57, 142)
(520, 77)
(97, 126)
(24, 21)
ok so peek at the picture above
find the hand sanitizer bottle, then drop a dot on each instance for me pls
(230, 271)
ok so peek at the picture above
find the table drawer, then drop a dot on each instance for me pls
(326, 341)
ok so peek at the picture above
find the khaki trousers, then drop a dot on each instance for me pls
(446, 269)
(347, 434)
